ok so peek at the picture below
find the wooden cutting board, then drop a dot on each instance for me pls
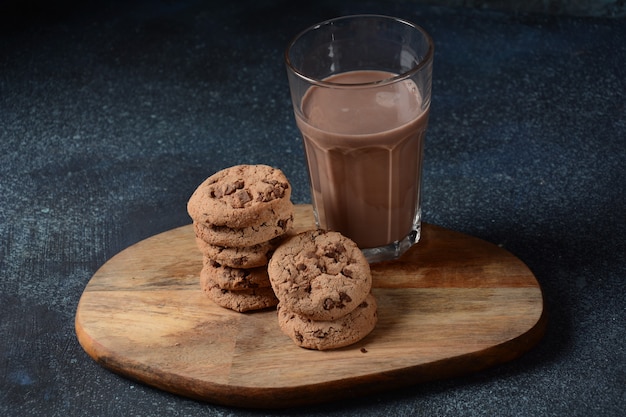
(453, 304)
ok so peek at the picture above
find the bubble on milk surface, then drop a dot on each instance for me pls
(387, 99)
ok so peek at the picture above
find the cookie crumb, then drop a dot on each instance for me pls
(363, 350)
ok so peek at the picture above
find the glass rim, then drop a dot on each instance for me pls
(396, 78)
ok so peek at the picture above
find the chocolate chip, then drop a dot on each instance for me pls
(344, 297)
(241, 197)
(281, 190)
(216, 193)
(277, 190)
(229, 189)
(320, 334)
(347, 272)
(363, 350)
(273, 191)
(299, 337)
(301, 267)
(334, 250)
(329, 304)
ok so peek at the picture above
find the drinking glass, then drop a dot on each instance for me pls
(361, 89)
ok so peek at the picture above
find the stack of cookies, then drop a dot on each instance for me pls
(240, 216)
(323, 283)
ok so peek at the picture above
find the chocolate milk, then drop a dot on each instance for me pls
(364, 150)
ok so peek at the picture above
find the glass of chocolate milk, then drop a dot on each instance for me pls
(361, 87)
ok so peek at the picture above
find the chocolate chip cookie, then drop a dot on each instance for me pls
(321, 275)
(246, 257)
(279, 224)
(239, 196)
(228, 278)
(238, 300)
(323, 335)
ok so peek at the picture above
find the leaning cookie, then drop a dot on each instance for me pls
(323, 335)
(242, 300)
(239, 196)
(235, 279)
(281, 223)
(319, 274)
(246, 257)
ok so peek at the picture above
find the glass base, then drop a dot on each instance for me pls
(393, 250)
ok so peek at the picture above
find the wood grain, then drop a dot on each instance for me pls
(453, 304)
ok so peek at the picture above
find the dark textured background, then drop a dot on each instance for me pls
(111, 113)
(598, 8)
